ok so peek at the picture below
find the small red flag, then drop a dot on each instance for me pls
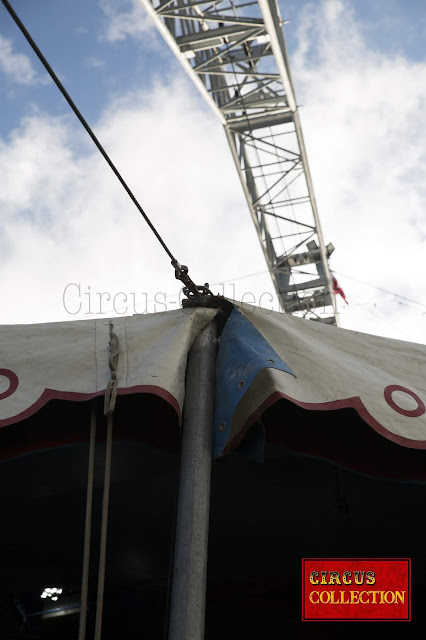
(337, 289)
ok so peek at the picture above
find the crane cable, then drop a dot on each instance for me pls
(181, 271)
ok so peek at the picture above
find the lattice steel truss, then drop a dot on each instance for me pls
(235, 53)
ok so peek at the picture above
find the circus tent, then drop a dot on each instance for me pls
(335, 418)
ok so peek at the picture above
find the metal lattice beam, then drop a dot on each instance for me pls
(235, 53)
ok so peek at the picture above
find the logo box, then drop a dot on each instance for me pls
(356, 589)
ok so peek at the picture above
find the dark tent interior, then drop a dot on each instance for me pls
(329, 487)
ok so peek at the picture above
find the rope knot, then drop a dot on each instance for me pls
(190, 290)
(112, 385)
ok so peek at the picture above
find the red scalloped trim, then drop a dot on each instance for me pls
(52, 394)
(354, 403)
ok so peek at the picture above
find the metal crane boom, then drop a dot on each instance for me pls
(235, 53)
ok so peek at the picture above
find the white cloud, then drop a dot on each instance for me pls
(16, 66)
(124, 19)
(94, 62)
(67, 219)
(365, 127)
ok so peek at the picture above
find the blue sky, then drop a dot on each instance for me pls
(360, 73)
(79, 40)
(98, 53)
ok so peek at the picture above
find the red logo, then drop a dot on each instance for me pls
(410, 413)
(356, 589)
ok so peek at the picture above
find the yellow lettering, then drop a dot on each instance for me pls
(359, 580)
(311, 597)
(324, 594)
(371, 578)
(313, 577)
(391, 595)
(323, 577)
(334, 578)
(360, 597)
(347, 577)
(399, 595)
(342, 598)
(354, 597)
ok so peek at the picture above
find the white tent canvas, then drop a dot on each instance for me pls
(263, 356)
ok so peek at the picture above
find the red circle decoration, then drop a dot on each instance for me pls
(13, 383)
(410, 413)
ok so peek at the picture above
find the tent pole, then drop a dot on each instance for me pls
(188, 598)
